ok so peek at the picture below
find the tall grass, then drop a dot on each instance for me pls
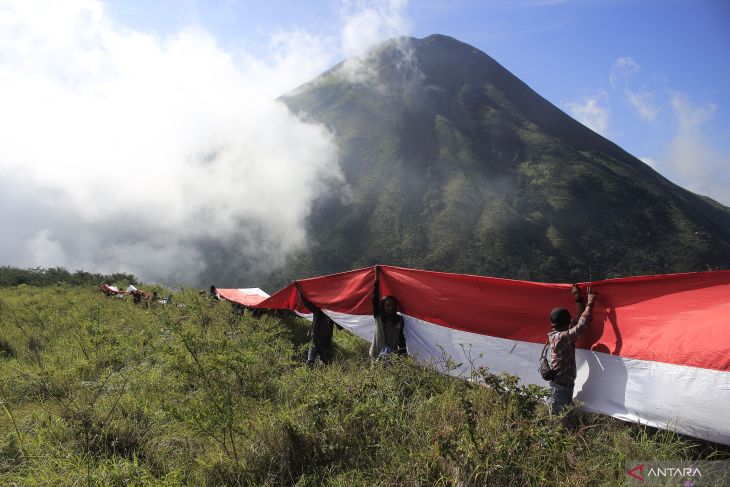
(99, 391)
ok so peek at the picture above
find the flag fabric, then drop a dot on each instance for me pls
(246, 296)
(657, 351)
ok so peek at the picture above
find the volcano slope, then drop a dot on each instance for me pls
(454, 164)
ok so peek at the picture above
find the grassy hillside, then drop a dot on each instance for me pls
(99, 391)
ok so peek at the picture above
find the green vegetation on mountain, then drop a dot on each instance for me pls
(456, 165)
(14, 276)
(99, 391)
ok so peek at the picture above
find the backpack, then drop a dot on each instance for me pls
(547, 372)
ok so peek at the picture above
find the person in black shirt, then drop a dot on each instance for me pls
(321, 333)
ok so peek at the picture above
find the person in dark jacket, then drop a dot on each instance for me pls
(321, 333)
(388, 337)
(562, 340)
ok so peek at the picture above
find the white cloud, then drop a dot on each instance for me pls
(690, 117)
(44, 250)
(622, 70)
(592, 112)
(690, 158)
(643, 103)
(620, 76)
(158, 149)
(366, 22)
(293, 57)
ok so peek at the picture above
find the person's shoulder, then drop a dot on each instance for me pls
(557, 335)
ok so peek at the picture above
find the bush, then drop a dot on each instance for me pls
(6, 349)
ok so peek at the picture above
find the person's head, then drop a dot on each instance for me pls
(389, 305)
(560, 319)
(212, 289)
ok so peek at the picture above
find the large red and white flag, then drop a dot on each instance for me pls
(657, 351)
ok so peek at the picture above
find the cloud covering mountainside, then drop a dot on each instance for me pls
(165, 156)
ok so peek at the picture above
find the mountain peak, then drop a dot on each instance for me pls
(430, 41)
(405, 66)
(457, 165)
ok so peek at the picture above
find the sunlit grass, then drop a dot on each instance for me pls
(100, 391)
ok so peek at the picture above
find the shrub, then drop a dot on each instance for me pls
(6, 349)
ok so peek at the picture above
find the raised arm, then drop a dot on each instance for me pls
(585, 317)
(312, 307)
(578, 297)
(589, 305)
(376, 292)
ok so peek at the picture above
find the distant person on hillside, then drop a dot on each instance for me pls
(213, 293)
(388, 337)
(237, 309)
(321, 333)
(562, 344)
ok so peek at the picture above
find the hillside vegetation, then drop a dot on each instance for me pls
(38, 276)
(99, 391)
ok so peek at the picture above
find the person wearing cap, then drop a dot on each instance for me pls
(388, 337)
(562, 340)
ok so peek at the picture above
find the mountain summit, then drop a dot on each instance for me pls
(457, 165)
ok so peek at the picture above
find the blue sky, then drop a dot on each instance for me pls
(127, 123)
(674, 76)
